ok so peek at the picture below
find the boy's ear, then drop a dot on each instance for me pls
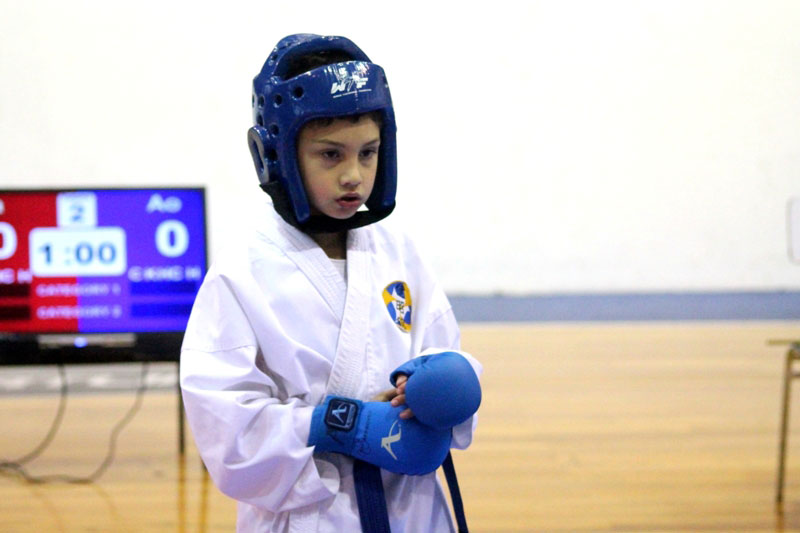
(256, 138)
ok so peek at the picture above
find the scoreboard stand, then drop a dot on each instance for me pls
(97, 349)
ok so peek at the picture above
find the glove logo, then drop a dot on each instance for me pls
(341, 414)
(397, 299)
(388, 440)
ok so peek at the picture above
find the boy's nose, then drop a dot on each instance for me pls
(350, 177)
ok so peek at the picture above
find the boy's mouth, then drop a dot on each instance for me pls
(349, 200)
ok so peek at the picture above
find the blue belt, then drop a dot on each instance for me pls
(372, 501)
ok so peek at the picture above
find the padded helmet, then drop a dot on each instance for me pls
(283, 102)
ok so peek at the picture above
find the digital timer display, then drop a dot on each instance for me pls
(83, 252)
(100, 261)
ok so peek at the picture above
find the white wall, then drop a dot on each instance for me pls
(551, 146)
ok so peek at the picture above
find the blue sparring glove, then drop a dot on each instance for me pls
(372, 432)
(442, 389)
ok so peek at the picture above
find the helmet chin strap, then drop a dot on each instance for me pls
(320, 223)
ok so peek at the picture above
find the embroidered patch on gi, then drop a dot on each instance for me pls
(397, 299)
(341, 414)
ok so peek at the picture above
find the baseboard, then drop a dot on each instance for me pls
(777, 305)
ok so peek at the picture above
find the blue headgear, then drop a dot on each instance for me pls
(282, 105)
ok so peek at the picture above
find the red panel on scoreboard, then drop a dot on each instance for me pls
(28, 211)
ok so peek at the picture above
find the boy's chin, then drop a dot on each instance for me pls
(337, 213)
(343, 217)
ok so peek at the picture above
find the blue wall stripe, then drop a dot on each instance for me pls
(782, 305)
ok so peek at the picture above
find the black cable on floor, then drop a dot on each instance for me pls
(16, 467)
(62, 407)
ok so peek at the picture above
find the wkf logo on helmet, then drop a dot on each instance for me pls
(397, 298)
(350, 80)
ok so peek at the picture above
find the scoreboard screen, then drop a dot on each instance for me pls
(101, 260)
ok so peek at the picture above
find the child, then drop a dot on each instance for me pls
(296, 337)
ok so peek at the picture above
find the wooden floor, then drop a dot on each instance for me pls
(584, 428)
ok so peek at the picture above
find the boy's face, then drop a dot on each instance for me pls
(338, 163)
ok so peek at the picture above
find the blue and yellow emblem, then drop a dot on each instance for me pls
(397, 298)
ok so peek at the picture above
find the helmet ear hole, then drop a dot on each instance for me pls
(298, 93)
(257, 161)
(255, 141)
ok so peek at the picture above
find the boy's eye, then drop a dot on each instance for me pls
(330, 154)
(368, 152)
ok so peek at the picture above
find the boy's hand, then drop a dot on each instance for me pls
(400, 397)
(385, 396)
(397, 396)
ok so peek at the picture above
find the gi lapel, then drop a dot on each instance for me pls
(316, 266)
(349, 366)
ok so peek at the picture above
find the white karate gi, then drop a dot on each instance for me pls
(275, 328)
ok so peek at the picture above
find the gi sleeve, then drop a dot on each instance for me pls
(252, 441)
